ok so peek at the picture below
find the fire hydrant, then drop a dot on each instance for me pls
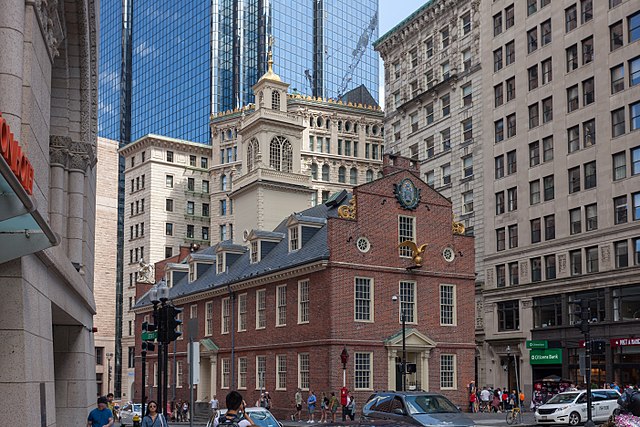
(136, 420)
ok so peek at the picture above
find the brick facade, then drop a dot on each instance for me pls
(331, 326)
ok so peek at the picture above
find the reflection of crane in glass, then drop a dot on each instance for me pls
(357, 53)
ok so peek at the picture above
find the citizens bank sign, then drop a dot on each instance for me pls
(551, 356)
(16, 160)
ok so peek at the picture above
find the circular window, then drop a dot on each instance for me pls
(448, 254)
(363, 244)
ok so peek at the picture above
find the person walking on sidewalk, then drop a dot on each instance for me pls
(298, 402)
(102, 416)
(323, 408)
(333, 406)
(311, 407)
(152, 418)
(214, 405)
(351, 407)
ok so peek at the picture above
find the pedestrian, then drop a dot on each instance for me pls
(472, 402)
(267, 400)
(152, 418)
(236, 416)
(521, 399)
(298, 403)
(323, 408)
(495, 404)
(214, 404)
(351, 407)
(333, 406)
(485, 397)
(345, 411)
(185, 411)
(101, 416)
(311, 406)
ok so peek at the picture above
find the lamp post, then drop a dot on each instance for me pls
(404, 343)
(515, 364)
(344, 358)
(155, 300)
(109, 356)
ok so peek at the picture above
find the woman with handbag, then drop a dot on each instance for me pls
(152, 418)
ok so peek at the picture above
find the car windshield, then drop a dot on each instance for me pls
(262, 418)
(563, 398)
(426, 404)
(137, 407)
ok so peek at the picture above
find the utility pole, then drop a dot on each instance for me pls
(581, 310)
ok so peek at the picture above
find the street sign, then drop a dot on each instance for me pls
(537, 344)
(551, 356)
(149, 336)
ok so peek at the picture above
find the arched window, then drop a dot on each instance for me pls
(314, 171)
(369, 175)
(353, 176)
(253, 149)
(275, 100)
(281, 154)
(342, 174)
(325, 172)
(223, 183)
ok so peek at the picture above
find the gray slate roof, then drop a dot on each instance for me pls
(278, 259)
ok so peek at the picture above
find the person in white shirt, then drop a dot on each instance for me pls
(214, 405)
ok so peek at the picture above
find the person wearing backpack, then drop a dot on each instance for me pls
(235, 415)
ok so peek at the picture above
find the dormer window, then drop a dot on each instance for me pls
(192, 272)
(275, 100)
(220, 262)
(294, 239)
(254, 252)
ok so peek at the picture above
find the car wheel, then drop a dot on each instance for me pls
(574, 419)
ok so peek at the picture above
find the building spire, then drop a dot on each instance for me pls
(270, 75)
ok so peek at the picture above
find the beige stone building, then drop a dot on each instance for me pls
(48, 82)
(337, 145)
(105, 264)
(434, 102)
(166, 206)
(561, 119)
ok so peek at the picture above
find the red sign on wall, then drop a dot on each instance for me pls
(623, 342)
(12, 153)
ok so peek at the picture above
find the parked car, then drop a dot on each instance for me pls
(260, 416)
(128, 411)
(415, 407)
(570, 407)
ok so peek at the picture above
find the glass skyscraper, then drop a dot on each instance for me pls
(190, 58)
(166, 65)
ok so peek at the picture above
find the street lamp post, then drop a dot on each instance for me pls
(155, 300)
(515, 364)
(163, 295)
(109, 356)
(404, 343)
(344, 358)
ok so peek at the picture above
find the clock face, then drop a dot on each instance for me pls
(407, 194)
(448, 254)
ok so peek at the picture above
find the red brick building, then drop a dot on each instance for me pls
(323, 280)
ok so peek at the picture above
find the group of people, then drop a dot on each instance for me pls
(329, 405)
(180, 411)
(494, 400)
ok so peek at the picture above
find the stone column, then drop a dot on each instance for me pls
(12, 25)
(424, 369)
(214, 375)
(78, 164)
(391, 368)
(59, 157)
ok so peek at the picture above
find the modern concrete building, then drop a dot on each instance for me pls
(434, 102)
(48, 82)
(562, 182)
(277, 315)
(105, 264)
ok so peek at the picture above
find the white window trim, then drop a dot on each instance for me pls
(370, 353)
(179, 378)
(278, 324)
(300, 371)
(300, 283)
(278, 385)
(258, 372)
(413, 232)
(245, 373)
(222, 384)
(246, 310)
(371, 301)
(455, 372)
(415, 302)
(258, 327)
(208, 331)
(298, 228)
(455, 304)
(223, 301)
(257, 252)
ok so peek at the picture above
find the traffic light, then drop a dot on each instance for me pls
(598, 346)
(173, 323)
(149, 334)
(581, 315)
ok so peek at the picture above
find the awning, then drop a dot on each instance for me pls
(23, 229)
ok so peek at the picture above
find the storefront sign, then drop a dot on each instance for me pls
(12, 153)
(623, 342)
(551, 356)
(539, 344)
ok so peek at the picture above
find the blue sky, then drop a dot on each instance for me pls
(391, 12)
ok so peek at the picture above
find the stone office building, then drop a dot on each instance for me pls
(48, 81)
(276, 314)
(562, 182)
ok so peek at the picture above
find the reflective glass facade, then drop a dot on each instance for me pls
(194, 57)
